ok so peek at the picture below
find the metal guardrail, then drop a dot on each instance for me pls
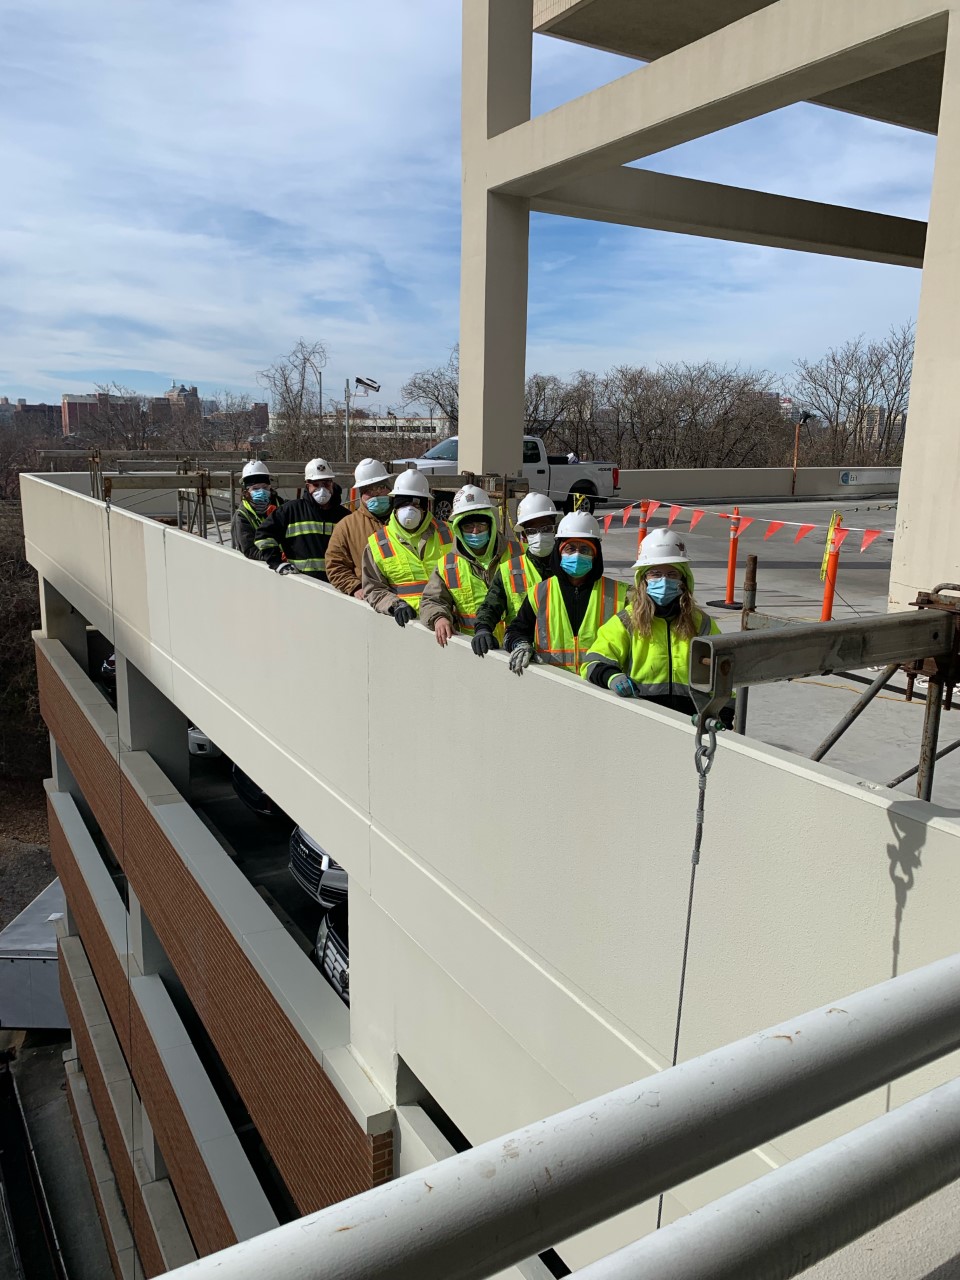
(478, 1212)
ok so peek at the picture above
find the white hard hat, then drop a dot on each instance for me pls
(411, 484)
(470, 499)
(534, 507)
(369, 471)
(578, 524)
(318, 469)
(253, 469)
(661, 546)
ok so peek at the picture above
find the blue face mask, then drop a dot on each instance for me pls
(576, 565)
(663, 590)
(378, 506)
(476, 541)
(260, 498)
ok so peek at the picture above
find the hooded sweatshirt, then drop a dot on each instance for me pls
(576, 598)
(438, 601)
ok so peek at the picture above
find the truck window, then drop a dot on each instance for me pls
(446, 451)
(531, 451)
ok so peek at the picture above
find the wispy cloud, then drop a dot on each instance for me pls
(191, 187)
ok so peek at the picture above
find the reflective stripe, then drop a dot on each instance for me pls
(450, 570)
(267, 542)
(385, 543)
(309, 563)
(444, 532)
(301, 527)
(706, 624)
(518, 575)
(661, 690)
(410, 590)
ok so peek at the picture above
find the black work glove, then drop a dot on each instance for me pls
(483, 642)
(402, 614)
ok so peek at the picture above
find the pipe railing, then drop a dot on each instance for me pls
(483, 1210)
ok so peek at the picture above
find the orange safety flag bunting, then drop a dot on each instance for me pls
(651, 508)
(869, 535)
(606, 522)
(696, 518)
(840, 537)
(674, 512)
(627, 513)
(744, 522)
(772, 528)
(803, 531)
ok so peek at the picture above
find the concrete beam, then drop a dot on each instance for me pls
(786, 52)
(662, 202)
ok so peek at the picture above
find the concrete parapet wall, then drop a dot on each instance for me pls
(743, 484)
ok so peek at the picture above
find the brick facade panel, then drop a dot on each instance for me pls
(202, 1208)
(321, 1152)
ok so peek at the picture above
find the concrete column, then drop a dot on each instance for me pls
(148, 721)
(927, 549)
(60, 621)
(61, 773)
(145, 946)
(497, 55)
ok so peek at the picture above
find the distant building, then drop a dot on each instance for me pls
(77, 412)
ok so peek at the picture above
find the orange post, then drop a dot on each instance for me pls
(642, 531)
(830, 578)
(732, 556)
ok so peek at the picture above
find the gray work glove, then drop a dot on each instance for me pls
(287, 567)
(622, 686)
(521, 656)
(483, 642)
(402, 613)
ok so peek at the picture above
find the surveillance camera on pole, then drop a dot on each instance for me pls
(363, 388)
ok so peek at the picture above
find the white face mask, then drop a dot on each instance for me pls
(542, 543)
(411, 517)
(321, 496)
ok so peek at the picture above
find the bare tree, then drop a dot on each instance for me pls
(437, 390)
(295, 386)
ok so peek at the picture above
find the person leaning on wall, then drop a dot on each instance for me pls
(644, 651)
(349, 539)
(559, 620)
(300, 530)
(537, 530)
(459, 584)
(258, 500)
(400, 556)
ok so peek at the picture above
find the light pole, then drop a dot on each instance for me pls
(801, 421)
(363, 387)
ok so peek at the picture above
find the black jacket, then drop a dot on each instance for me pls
(300, 530)
(494, 607)
(576, 598)
(244, 526)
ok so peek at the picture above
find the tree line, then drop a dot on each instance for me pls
(853, 401)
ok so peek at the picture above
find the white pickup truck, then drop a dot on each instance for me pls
(545, 473)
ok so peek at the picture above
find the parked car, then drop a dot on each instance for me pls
(546, 473)
(315, 871)
(254, 797)
(333, 950)
(199, 744)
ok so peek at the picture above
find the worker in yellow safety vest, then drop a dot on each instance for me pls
(644, 650)
(399, 558)
(559, 620)
(458, 585)
(536, 528)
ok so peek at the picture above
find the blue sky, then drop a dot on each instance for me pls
(189, 188)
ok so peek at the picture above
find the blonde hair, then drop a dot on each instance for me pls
(640, 610)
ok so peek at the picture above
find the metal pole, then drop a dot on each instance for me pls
(858, 707)
(749, 605)
(931, 734)
(789, 1220)
(796, 458)
(479, 1212)
(346, 425)
(916, 768)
